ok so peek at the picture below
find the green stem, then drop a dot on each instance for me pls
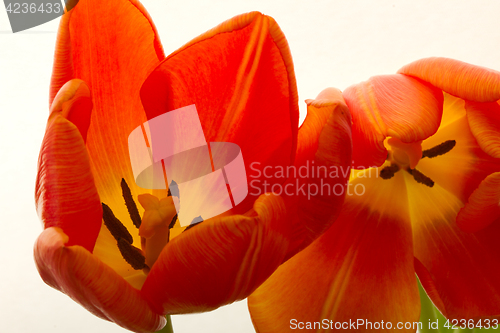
(168, 328)
(430, 314)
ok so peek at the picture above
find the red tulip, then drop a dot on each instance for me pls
(426, 143)
(240, 77)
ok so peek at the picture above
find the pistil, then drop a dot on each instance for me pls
(155, 227)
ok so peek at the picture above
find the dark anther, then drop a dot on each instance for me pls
(194, 222)
(440, 149)
(114, 225)
(420, 177)
(131, 254)
(173, 189)
(172, 223)
(389, 171)
(130, 203)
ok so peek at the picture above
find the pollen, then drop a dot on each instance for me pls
(389, 171)
(114, 225)
(130, 203)
(440, 149)
(420, 177)
(131, 254)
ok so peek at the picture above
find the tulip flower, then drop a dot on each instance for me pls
(109, 244)
(426, 152)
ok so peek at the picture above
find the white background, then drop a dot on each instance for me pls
(333, 43)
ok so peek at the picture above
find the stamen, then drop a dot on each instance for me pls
(194, 222)
(389, 171)
(173, 189)
(114, 225)
(131, 254)
(440, 149)
(130, 203)
(172, 223)
(420, 177)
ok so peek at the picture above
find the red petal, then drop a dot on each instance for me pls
(458, 78)
(112, 46)
(240, 77)
(65, 194)
(484, 121)
(83, 277)
(393, 105)
(220, 260)
(325, 148)
(361, 268)
(73, 103)
(483, 207)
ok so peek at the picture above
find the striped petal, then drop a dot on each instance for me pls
(325, 148)
(220, 260)
(112, 46)
(484, 121)
(76, 272)
(240, 77)
(462, 270)
(458, 78)
(483, 207)
(361, 268)
(65, 193)
(393, 105)
(73, 102)
(461, 170)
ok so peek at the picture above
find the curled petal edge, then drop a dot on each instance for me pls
(397, 106)
(470, 82)
(229, 255)
(65, 193)
(83, 277)
(484, 122)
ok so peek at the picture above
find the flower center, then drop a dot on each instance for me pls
(159, 217)
(407, 155)
(404, 154)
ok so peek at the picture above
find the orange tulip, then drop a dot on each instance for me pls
(427, 141)
(240, 77)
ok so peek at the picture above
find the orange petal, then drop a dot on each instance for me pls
(392, 105)
(458, 78)
(65, 194)
(220, 260)
(113, 62)
(324, 147)
(484, 121)
(84, 278)
(463, 269)
(361, 268)
(483, 207)
(240, 77)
